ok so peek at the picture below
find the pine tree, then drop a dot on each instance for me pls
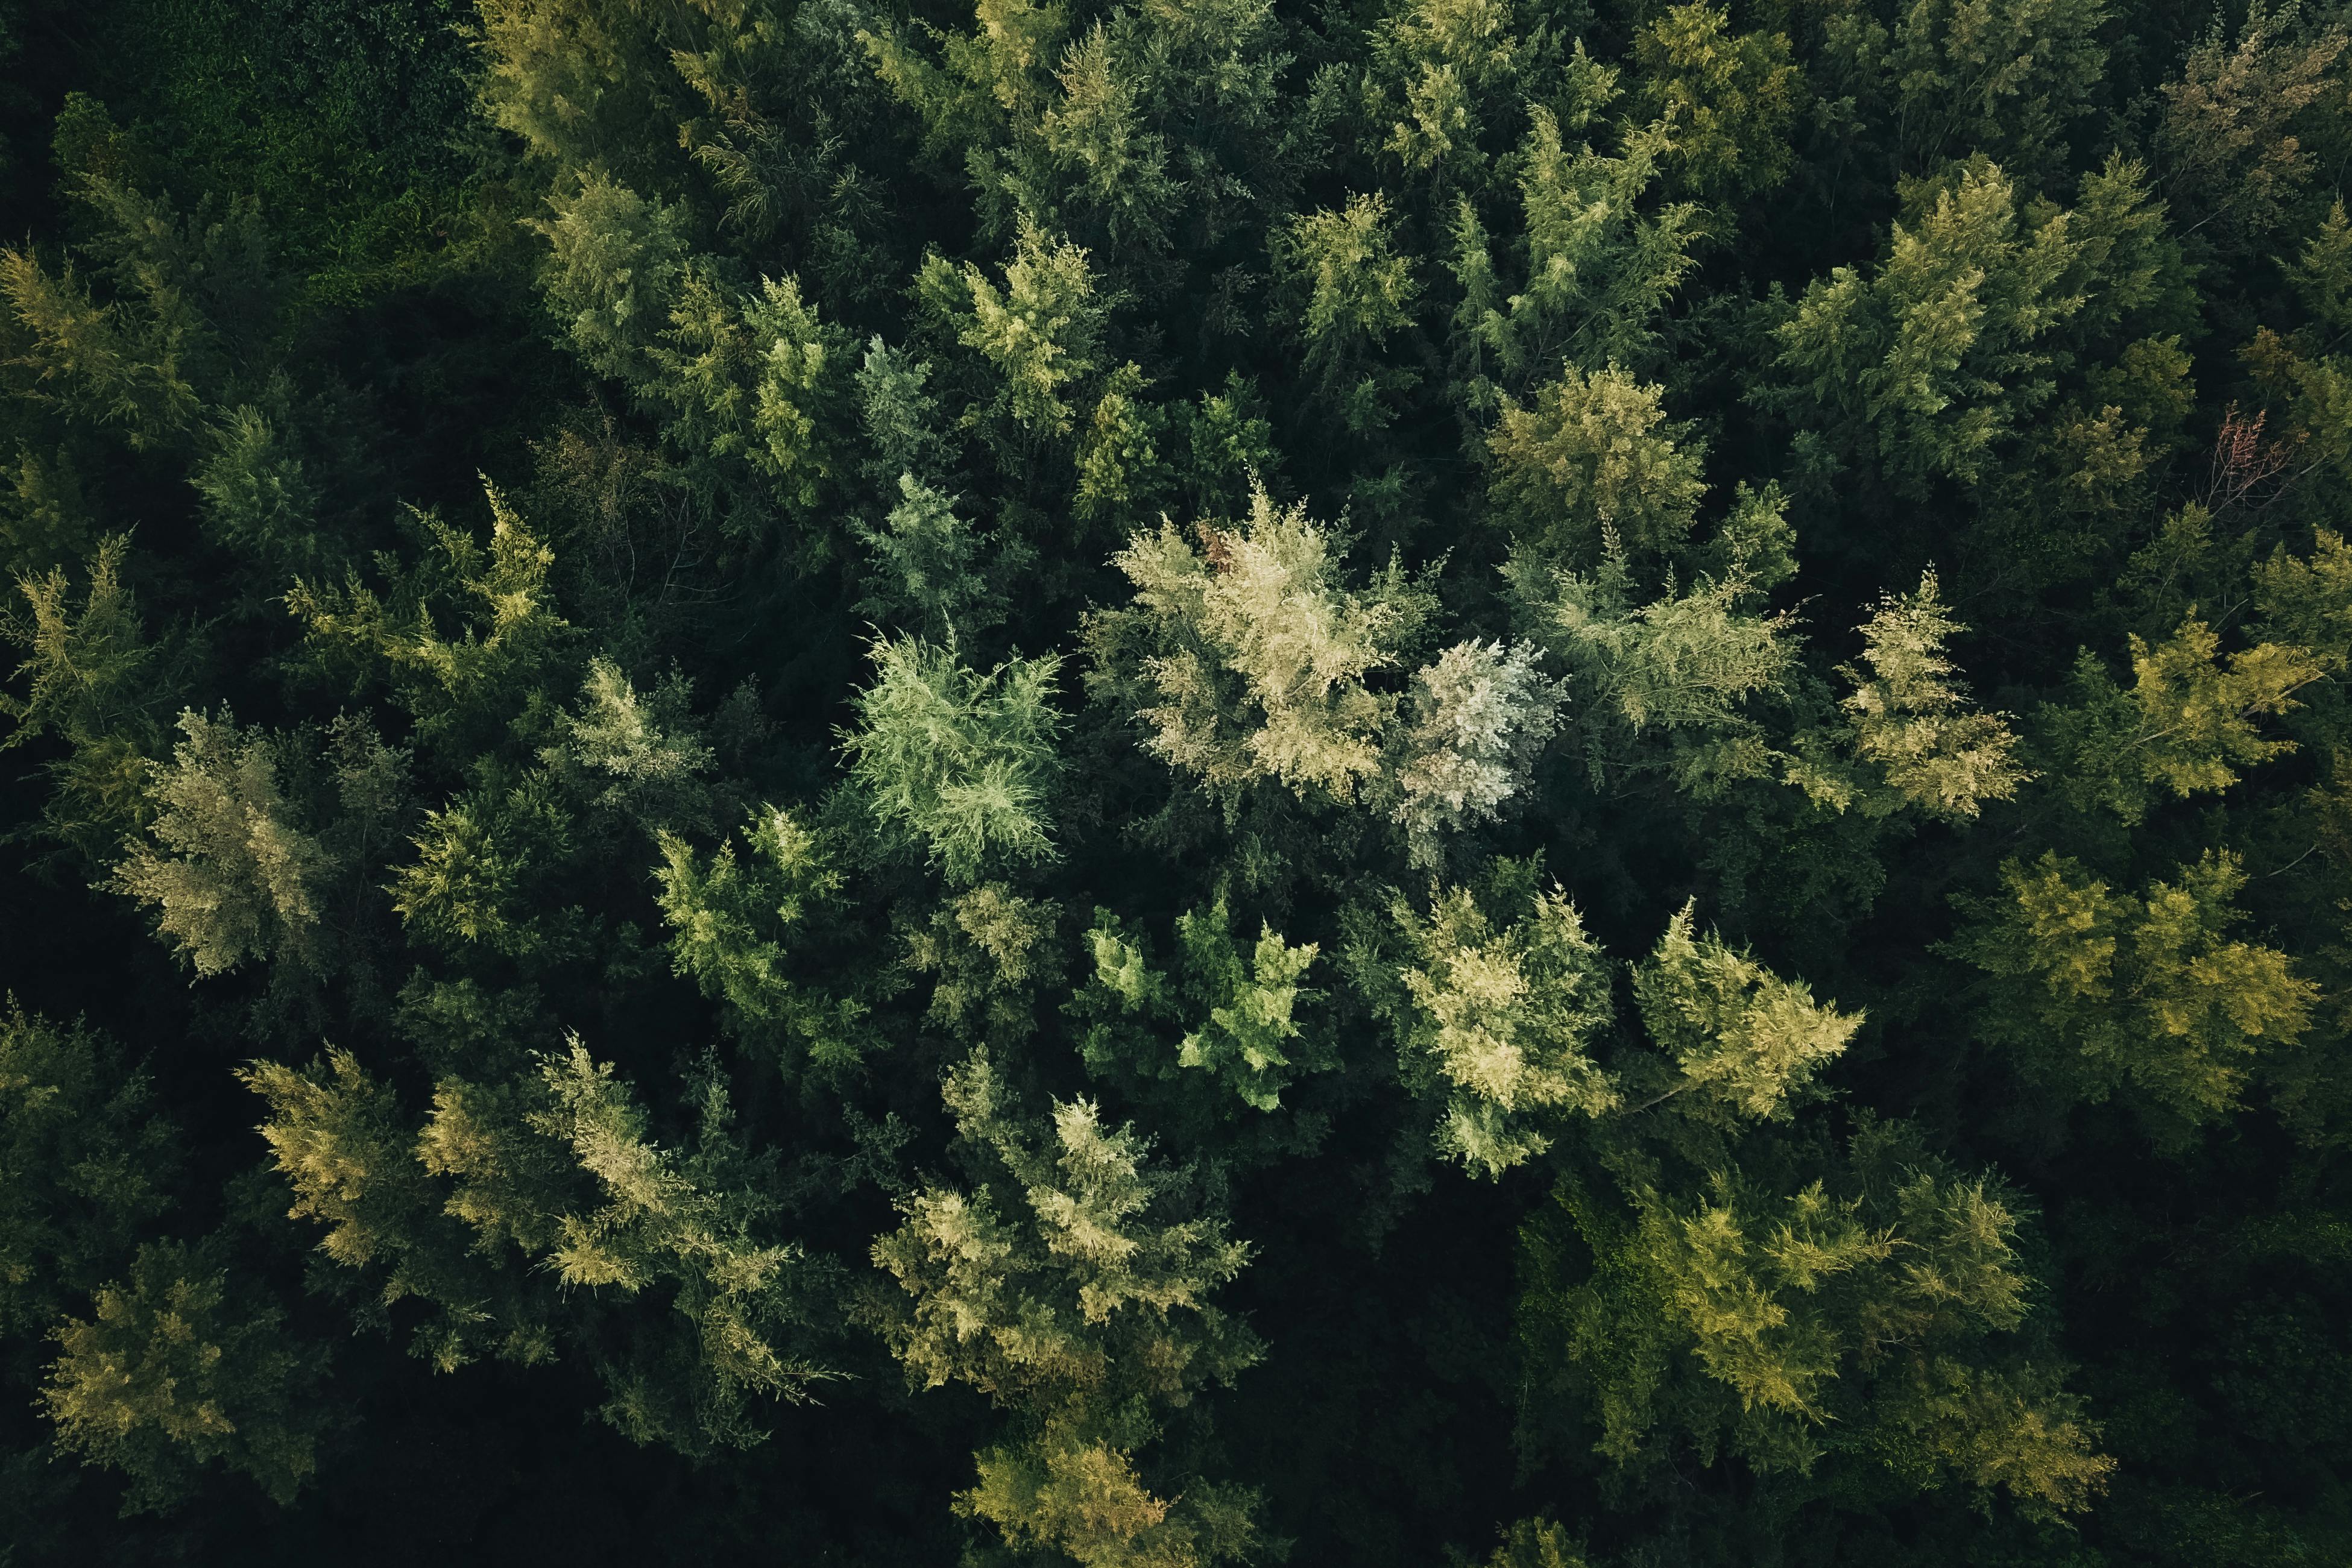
(1728, 98)
(2109, 992)
(1246, 1021)
(1078, 1300)
(1248, 655)
(176, 1370)
(734, 921)
(961, 762)
(1859, 1319)
(87, 682)
(239, 879)
(1911, 725)
(1499, 1017)
(1594, 457)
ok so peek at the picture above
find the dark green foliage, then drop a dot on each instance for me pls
(1552, 783)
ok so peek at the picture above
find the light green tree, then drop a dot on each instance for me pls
(1915, 739)
(735, 921)
(2186, 725)
(614, 271)
(1246, 1021)
(482, 861)
(1876, 1316)
(1592, 457)
(684, 1223)
(1475, 723)
(1245, 658)
(90, 678)
(1743, 1043)
(1687, 667)
(1072, 1286)
(1602, 257)
(635, 756)
(1496, 1015)
(1042, 332)
(993, 953)
(1353, 289)
(1447, 59)
(959, 762)
(1728, 99)
(464, 690)
(2099, 992)
(228, 869)
(1931, 366)
(511, 1193)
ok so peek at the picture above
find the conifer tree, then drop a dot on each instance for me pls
(1077, 1301)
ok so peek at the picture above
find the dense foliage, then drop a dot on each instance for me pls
(1173, 782)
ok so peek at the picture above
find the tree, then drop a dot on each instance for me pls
(1744, 1042)
(1911, 725)
(1251, 653)
(239, 879)
(1686, 665)
(1357, 290)
(1040, 331)
(84, 685)
(1071, 1287)
(1250, 1018)
(1591, 458)
(88, 1163)
(1728, 98)
(1475, 722)
(734, 919)
(1867, 1319)
(2231, 154)
(959, 761)
(2107, 990)
(555, 1165)
(176, 1370)
(1498, 1016)
(1599, 266)
(2003, 75)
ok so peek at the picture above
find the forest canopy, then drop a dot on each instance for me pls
(1176, 783)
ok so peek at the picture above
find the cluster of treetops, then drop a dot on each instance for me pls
(1159, 783)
